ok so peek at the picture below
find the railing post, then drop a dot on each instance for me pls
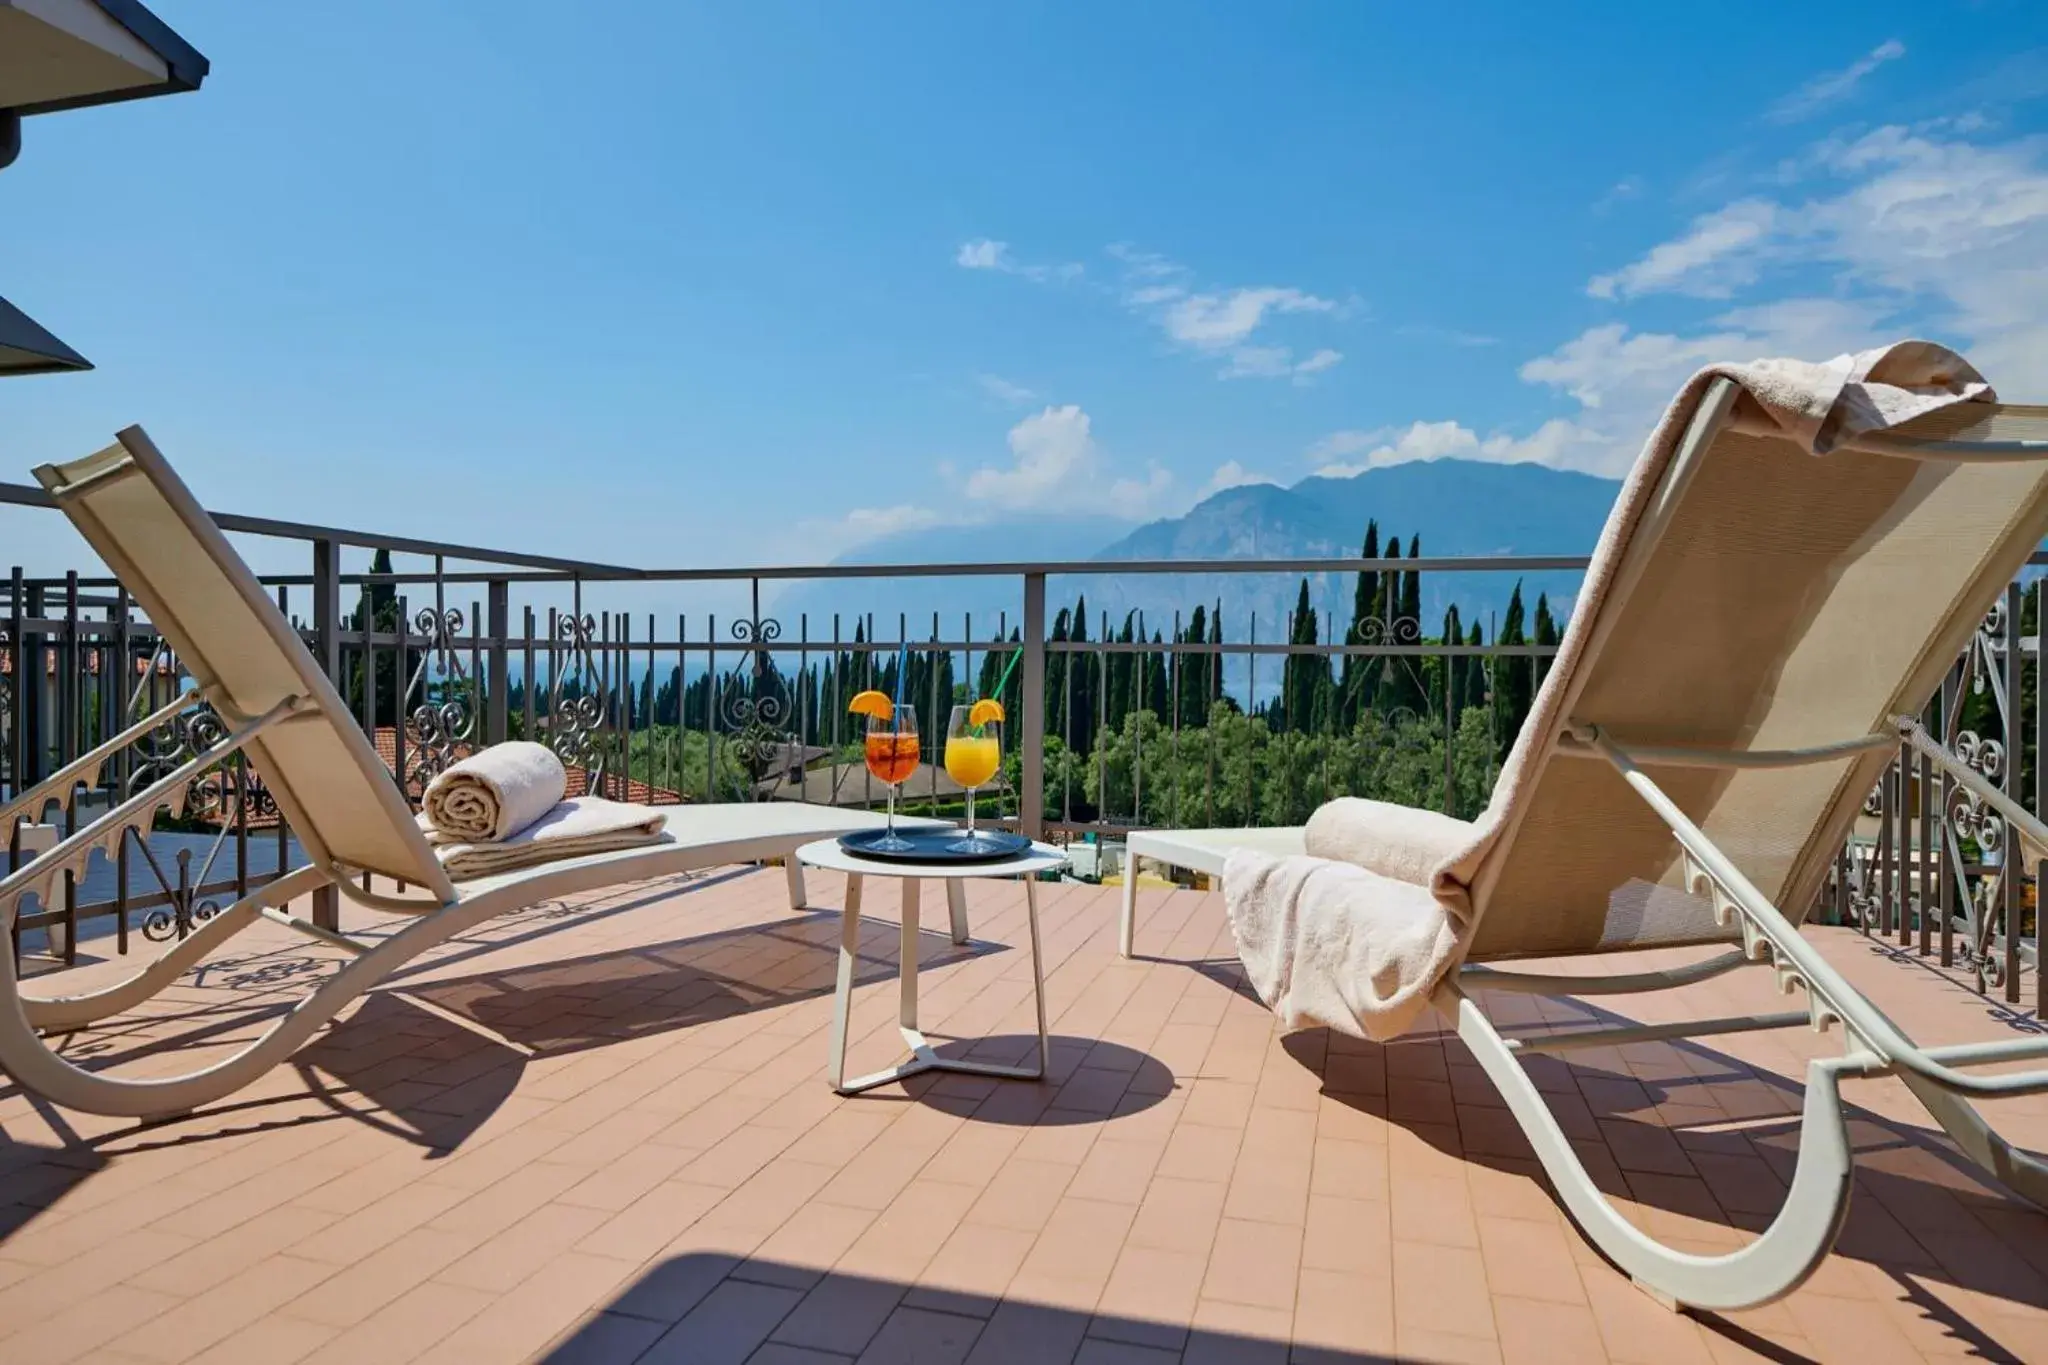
(498, 683)
(327, 649)
(2012, 855)
(1031, 740)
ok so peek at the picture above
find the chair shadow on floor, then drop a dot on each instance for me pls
(431, 1056)
(1703, 1146)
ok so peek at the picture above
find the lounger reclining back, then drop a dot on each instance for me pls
(245, 657)
(1768, 600)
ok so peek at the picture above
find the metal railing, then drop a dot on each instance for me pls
(1218, 708)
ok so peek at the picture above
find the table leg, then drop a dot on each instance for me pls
(906, 972)
(794, 872)
(1037, 976)
(956, 906)
(922, 1058)
(842, 994)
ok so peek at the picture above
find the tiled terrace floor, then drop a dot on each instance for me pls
(646, 1164)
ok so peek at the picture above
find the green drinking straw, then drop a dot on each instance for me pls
(1008, 669)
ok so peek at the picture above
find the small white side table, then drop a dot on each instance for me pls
(826, 854)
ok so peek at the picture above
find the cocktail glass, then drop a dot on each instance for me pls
(974, 754)
(892, 754)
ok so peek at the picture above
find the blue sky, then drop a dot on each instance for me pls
(726, 284)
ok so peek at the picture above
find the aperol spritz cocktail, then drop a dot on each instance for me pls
(892, 753)
(974, 754)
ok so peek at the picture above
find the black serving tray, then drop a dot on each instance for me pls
(936, 846)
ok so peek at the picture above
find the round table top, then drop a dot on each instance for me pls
(827, 854)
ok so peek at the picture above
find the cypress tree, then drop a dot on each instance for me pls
(1546, 634)
(1086, 674)
(1192, 703)
(1362, 596)
(1511, 690)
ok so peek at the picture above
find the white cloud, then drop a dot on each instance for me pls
(1048, 450)
(1342, 454)
(1834, 86)
(985, 253)
(1222, 322)
(1001, 389)
(1711, 260)
(1276, 362)
(1918, 221)
(1056, 463)
(1230, 474)
(1217, 322)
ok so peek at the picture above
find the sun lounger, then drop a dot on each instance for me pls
(1757, 628)
(279, 709)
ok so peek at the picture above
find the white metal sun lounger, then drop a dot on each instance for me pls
(251, 667)
(1773, 622)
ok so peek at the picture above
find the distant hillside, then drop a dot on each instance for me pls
(1457, 507)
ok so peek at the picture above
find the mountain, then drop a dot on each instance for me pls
(1457, 507)
(959, 601)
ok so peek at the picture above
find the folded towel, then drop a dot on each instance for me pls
(493, 794)
(581, 825)
(1360, 944)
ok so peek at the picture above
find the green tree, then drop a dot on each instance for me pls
(1546, 634)
(1305, 684)
(1511, 677)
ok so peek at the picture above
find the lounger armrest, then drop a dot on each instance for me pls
(1400, 842)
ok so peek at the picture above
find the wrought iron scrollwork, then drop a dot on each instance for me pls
(443, 720)
(755, 709)
(1969, 817)
(578, 716)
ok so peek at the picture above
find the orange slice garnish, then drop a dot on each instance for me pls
(872, 703)
(985, 712)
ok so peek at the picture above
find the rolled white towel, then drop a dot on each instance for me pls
(493, 794)
(579, 826)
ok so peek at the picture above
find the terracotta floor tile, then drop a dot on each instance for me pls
(1529, 1260)
(1441, 1289)
(970, 1272)
(1434, 1209)
(1022, 1195)
(1150, 1298)
(1226, 1333)
(1547, 1331)
(1195, 1152)
(1117, 1171)
(1338, 1314)
(726, 1328)
(1098, 1351)
(1445, 1348)
(919, 1336)
(1254, 1263)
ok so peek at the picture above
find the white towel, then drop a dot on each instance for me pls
(493, 794)
(1358, 934)
(579, 826)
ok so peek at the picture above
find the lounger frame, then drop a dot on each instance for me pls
(1941, 1078)
(27, 1021)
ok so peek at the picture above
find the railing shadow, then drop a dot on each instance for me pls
(705, 1306)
